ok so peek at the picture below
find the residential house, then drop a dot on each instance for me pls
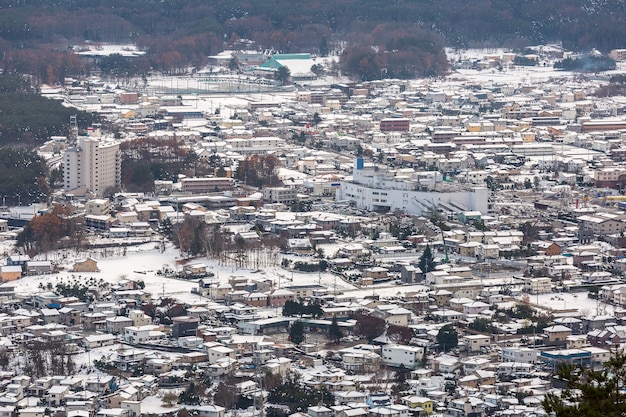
(39, 267)
(373, 275)
(407, 356)
(99, 383)
(347, 397)
(98, 207)
(116, 324)
(142, 334)
(393, 314)
(465, 407)
(256, 299)
(278, 297)
(571, 322)
(419, 405)
(184, 326)
(556, 335)
(475, 307)
(319, 411)
(69, 316)
(474, 363)
(139, 318)
(113, 412)
(411, 274)
(218, 352)
(488, 251)
(540, 285)
(33, 412)
(210, 410)
(360, 360)
(476, 342)
(98, 340)
(278, 366)
(19, 260)
(128, 359)
(519, 354)
(478, 378)
(56, 395)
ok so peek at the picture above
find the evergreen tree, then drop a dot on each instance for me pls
(424, 361)
(368, 326)
(225, 396)
(189, 395)
(233, 64)
(427, 261)
(166, 227)
(293, 394)
(282, 75)
(316, 118)
(314, 310)
(221, 172)
(402, 374)
(334, 332)
(324, 46)
(590, 393)
(296, 332)
(447, 337)
(292, 308)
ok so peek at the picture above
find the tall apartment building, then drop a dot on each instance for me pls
(92, 166)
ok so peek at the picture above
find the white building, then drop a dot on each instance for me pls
(383, 191)
(474, 342)
(218, 352)
(519, 354)
(93, 165)
(541, 285)
(282, 195)
(142, 334)
(408, 356)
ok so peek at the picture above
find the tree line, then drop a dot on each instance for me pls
(194, 237)
(282, 24)
(147, 159)
(23, 177)
(56, 228)
(27, 118)
(406, 36)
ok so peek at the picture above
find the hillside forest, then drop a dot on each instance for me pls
(403, 38)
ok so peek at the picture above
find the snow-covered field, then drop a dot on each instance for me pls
(568, 301)
(142, 263)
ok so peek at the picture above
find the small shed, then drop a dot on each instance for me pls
(10, 272)
(86, 265)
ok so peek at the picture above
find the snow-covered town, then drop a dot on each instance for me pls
(390, 248)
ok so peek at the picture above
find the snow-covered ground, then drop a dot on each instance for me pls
(141, 263)
(577, 301)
